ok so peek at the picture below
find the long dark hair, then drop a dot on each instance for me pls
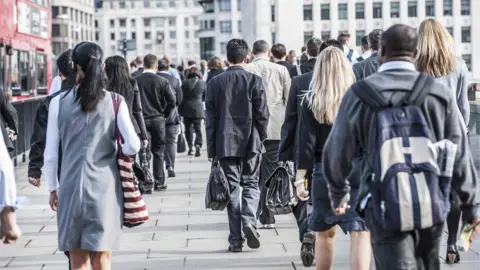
(87, 69)
(118, 74)
(193, 72)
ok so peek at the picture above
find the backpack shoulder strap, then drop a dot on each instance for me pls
(299, 70)
(372, 98)
(419, 90)
(350, 54)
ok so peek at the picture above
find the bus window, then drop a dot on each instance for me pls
(24, 71)
(15, 70)
(41, 69)
(2, 69)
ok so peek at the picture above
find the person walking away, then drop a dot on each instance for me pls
(87, 111)
(330, 80)
(215, 67)
(172, 70)
(370, 65)
(288, 151)
(204, 70)
(292, 57)
(313, 49)
(365, 47)
(278, 83)
(279, 53)
(237, 120)
(436, 58)
(138, 67)
(408, 247)
(172, 124)
(351, 54)
(181, 73)
(191, 109)
(158, 102)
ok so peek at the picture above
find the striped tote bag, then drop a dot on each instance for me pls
(135, 210)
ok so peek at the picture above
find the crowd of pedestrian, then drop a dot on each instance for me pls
(378, 143)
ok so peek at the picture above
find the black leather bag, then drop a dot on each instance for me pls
(217, 195)
(142, 171)
(280, 194)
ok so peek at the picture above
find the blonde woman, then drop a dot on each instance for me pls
(435, 57)
(332, 77)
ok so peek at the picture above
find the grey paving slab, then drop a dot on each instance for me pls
(181, 234)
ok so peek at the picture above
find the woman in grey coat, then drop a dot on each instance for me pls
(89, 199)
(436, 58)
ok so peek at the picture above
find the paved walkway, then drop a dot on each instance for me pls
(180, 235)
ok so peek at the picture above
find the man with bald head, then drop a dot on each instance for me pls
(351, 135)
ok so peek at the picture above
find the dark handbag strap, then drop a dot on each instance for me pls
(116, 106)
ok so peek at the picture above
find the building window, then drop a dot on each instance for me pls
(159, 3)
(225, 26)
(148, 48)
(223, 47)
(239, 5)
(466, 34)
(123, 35)
(224, 5)
(307, 36)
(172, 34)
(172, 21)
(122, 4)
(359, 35)
(325, 12)
(207, 47)
(55, 30)
(412, 8)
(132, 23)
(395, 9)
(239, 26)
(134, 35)
(273, 13)
(112, 24)
(146, 3)
(148, 35)
(274, 38)
(147, 22)
(430, 8)
(122, 22)
(468, 60)
(208, 7)
(97, 36)
(377, 10)
(342, 11)
(159, 21)
(187, 34)
(450, 30)
(172, 3)
(173, 46)
(186, 21)
(360, 11)
(307, 13)
(447, 8)
(96, 24)
(112, 36)
(55, 12)
(212, 24)
(325, 35)
(465, 7)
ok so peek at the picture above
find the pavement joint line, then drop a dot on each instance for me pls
(187, 228)
(184, 261)
(153, 235)
(55, 251)
(188, 240)
(41, 229)
(275, 229)
(293, 265)
(156, 224)
(43, 266)
(10, 261)
(29, 241)
(284, 247)
(148, 253)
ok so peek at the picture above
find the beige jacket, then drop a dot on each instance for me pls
(277, 82)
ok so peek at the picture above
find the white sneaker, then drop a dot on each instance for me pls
(269, 226)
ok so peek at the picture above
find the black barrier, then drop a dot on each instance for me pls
(27, 111)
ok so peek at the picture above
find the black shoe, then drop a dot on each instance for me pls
(197, 151)
(252, 236)
(190, 152)
(307, 251)
(171, 173)
(160, 187)
(148, 191)
(452, 254)
(234, 249)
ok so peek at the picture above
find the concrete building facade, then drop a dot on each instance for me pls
(72, 22)
(294, 22)
(161, 27)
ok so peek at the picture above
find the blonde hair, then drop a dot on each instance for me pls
(332, 77)
(435, 49)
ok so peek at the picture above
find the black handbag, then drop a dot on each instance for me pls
(142, 171)
(217, 195)
(280, 194)
(181, 142)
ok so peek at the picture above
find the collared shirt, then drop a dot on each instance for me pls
(56, 85)
(149, 71)
(397, 65)
(355, 55)
(163, 71)
(367, 54)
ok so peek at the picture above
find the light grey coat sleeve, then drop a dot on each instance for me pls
(462, 91)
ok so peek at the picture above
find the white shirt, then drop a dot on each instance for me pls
(8, 190)
(56, 85)
(131, 144)
(355, 55)
(396, 65)
(367, 54)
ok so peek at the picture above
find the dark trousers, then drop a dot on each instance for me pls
(241, 172)
(416, 250)
(193, 126)
(156, 128)
(171, 145)
(269, 164)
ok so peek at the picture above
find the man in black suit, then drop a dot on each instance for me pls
(288, 151)
(313, 50)
(370, 65)
(236, 124)
(140, 68)
(172, 124)
(158, 102)
(279, 53)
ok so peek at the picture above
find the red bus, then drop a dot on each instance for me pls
(25, 47)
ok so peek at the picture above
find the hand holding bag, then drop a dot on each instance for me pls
(181, 143)
(134, 208)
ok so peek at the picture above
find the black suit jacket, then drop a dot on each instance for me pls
(305, 67)
(237, 114)
(193, 98)
(289, 137)
(174, 117)
(366, 67)
(286, 64)
(137, 72)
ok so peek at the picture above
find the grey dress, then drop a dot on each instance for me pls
(90, 200)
